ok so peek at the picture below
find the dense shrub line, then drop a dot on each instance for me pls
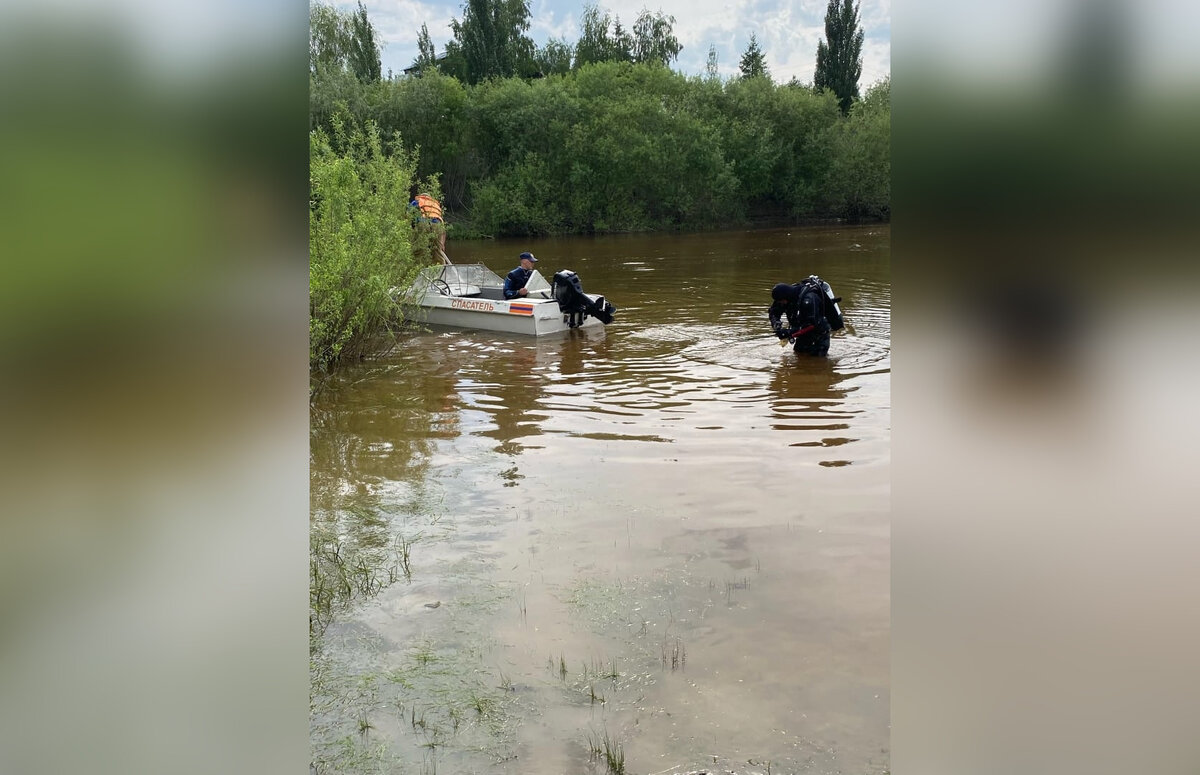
(619, 146)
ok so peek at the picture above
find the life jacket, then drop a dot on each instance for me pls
(429, 206)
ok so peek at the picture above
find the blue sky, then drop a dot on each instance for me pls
(787, 30)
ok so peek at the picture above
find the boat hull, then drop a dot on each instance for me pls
(534, 317)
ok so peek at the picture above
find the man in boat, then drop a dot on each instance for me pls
(514, 284)
(430, 212)
(807, 327)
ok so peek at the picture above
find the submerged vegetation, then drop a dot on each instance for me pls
(603, 748)
(342, 574)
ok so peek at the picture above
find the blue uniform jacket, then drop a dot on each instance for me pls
(515, 281)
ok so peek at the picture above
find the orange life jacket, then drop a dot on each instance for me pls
(429, 206)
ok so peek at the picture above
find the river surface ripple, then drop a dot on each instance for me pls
(669, 536)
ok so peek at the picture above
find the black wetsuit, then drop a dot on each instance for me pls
(805, 312)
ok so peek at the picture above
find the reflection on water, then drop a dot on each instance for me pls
(586, 509)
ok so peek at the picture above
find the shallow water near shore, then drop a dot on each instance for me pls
(662, 545)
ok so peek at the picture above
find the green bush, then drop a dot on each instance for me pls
(860, 170)
(618, 146)
(360, 240)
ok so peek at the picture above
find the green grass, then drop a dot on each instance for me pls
(608, 751)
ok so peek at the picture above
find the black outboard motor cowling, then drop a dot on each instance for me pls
(572, 301)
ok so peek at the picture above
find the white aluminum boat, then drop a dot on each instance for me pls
(472, 296)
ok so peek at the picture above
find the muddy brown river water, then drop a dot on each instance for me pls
(661, 547)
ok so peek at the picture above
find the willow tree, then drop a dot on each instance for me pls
(654, 40)
(597, 43)
(839, 56)
(554, 57)
(342, 41)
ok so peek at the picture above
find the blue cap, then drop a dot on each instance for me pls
(529, 256)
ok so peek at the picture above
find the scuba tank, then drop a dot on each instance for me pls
(833, 313)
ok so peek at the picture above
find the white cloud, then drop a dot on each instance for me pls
(877, 63)
(875, 15)
(787, 32)
(548, 24)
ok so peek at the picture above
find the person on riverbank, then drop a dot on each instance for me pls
(514, 284)
(430, 212)
(804, 305)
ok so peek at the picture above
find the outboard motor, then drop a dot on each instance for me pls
(572, 301)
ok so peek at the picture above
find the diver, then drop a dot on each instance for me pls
(812, 313)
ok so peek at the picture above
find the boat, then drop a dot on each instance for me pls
(472, 296)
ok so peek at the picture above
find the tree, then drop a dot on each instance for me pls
(554, 57)
(839, 56)
(340, 41)
(360, 245)
(328, 39)
(622, 43)
(753, 64)
(426, 53)
(710, 67)
(493, 40)
(364, 51)
(654, 39)
(596, 43)
(454, 62)
(592, 45)
(859, 176)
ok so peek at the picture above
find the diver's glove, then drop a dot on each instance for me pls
(784, 333)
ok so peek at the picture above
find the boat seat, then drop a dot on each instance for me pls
(462, 289)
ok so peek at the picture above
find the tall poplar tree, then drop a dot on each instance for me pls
(364, 51)
(711, 72)
(426, 53)
(839, 56)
